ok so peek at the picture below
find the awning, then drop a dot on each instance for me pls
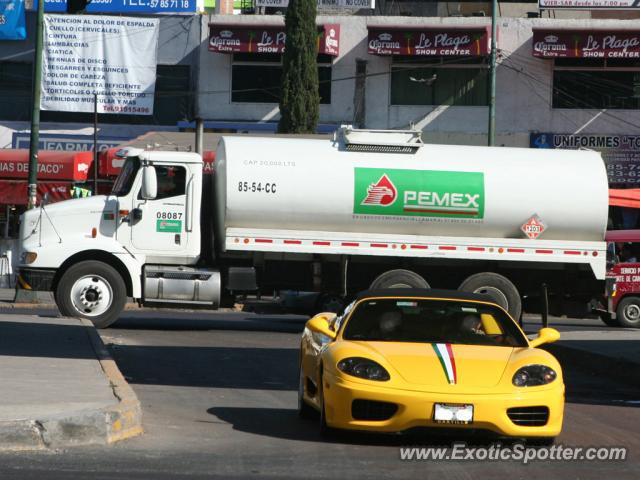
(430, 41)
(110, 164)
(15, 193)
(624, 197)
(52, 165)
(246, 38)
(573, 43)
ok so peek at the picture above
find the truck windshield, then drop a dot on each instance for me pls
(124, 182)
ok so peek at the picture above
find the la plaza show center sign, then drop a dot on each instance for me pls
(111, 57)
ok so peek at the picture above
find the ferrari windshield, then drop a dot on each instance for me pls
(432, 321)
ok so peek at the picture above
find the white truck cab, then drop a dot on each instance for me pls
(94, 252)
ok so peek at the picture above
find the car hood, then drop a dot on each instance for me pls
(439, 364)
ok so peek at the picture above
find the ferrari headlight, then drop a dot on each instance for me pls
(363, 368)
(534, 375)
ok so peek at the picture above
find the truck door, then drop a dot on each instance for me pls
(159, 224)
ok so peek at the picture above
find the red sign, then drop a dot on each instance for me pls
(266, 39)
(452, 41)
(15, 193)
(586, 44)
(52, 165)
(533, 227)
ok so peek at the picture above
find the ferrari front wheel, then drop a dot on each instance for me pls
(325, 430)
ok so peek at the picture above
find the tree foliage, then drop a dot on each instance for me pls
(300, 100)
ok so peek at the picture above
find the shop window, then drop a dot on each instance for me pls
(596, 83)
(439, 81)
(15, 91)
(257, 78)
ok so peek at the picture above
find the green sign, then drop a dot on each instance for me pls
(422, 193)
(169, 226)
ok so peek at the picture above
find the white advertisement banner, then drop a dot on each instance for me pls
(321, 3)
(589, 4)
(111, 57)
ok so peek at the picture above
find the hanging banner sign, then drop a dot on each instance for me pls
(586, 43)
(111, 57)
(127, 6)
(321, 3)
(12, 26)
(588, 4)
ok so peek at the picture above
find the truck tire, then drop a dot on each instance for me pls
(92, 290)
(628, 312)
(499, 288)
(399, 279)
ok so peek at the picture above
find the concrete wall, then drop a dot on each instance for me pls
(524, 85)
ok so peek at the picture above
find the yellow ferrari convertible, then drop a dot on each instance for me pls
(398, 359)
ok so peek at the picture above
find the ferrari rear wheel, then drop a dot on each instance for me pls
(304, 409)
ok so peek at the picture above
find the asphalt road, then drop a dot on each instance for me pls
(218, 392)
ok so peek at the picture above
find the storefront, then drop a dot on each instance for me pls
(434, 65)
(256, 58)
(58, 174)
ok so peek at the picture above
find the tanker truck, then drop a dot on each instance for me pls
(364, 209)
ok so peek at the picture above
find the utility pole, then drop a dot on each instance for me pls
(491, 137)
(34, 138)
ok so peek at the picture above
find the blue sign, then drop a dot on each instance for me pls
(66, 143)
(127, 6)
(621, 153)
(12, 26)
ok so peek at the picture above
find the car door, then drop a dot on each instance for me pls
(159, 224)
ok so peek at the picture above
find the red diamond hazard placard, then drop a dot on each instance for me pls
(533, 227)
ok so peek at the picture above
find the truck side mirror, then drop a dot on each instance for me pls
(149, 189)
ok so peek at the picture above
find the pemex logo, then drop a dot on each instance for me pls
(382, 193)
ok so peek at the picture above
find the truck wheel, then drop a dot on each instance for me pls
(499, 288)
(399, 279)
(92, 290)
(628, 312)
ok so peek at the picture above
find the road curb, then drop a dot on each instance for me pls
(619, 369)
(124, 420)
(94, 426)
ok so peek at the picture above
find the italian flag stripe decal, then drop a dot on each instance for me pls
(445, 355)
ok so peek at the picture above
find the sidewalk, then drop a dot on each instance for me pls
(60, 387)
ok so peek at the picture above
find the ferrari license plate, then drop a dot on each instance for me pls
(453, 413)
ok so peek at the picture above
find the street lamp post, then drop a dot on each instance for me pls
(34, 139)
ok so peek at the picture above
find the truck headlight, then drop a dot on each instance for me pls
(533, 375)
(363, 368)
(28, 257)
